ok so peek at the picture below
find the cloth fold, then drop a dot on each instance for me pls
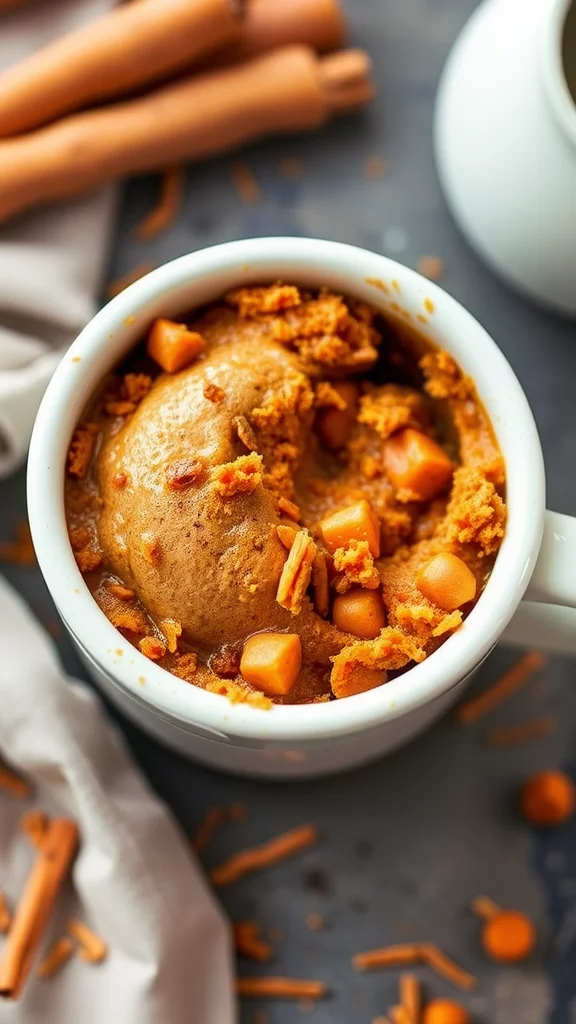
(51, 263)
(135, 879)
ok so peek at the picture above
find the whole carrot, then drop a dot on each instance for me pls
(288, 90)
(135, 44)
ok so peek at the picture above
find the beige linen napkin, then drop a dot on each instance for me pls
(135, 880)
(51, 263)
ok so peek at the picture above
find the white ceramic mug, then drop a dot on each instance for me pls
(505, 140)
(304, 739)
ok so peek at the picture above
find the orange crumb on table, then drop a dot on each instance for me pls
(508, 936)
(280, 988)
(445, 1011)
(167, 209)
(447, 968)
(34, 824)
(431, 267)
(499, 691)
(291, 167)
(213, 820)
(270, 853)
(120, 283)
(521, 732)
(315, 922)
(5, 915)
(411, 997)
(375, 167)
(296, 573)
(14, 784)
(548, 798)
(21, 550)
(172, 345)
(242, 476)
(55, 958)
(151, 647)
(81, 450)
(93, 948)
(248, 942)
(244, 181)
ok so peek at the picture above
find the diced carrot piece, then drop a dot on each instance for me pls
(359, 680)
(334, 425)
(418, 467)
(354, 522)
(447, 581)
(173, 346)
(360, 612)
(272, 662)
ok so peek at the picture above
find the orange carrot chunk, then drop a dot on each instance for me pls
(360, 612)
(272, 662)
(173, 346)
(418, 467)
(354, 522)
(548, 799)
(445, 1011)
(447, 581)
(508, 937)
(334, 425)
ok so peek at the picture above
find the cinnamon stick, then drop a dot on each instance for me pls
(289, 90)
(48, 873)
(133, 45)
(269, 24)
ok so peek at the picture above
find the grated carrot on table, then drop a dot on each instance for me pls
(163, 215)
(248, 942)
(14, 785)
(280, 988)
(5, 915)
(521, 732)
(501, 689)
(484, 907)
(270, 853)
(34, 825)
(411, 997)
(94, 949)
(447, 968)
(21, 550)
(400, 1015)
(387, 956)
(244, 181)
(213, 820)
(55, 958)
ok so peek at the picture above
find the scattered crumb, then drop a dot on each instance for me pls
(374, 168)
(152, 648)
(120, 283)
(245, 183)
(431, 267)
(315, 922)
(239, 477)
(213, 393)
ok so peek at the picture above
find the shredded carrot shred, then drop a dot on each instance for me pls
(485, 907)
(245, 183)
(400, 1015)
(270, 853)
(280, 988)
(5, 915)
(94, 949)
(411, 998)
(501, 689)
(521, 732)
(249, 942)
(163, 215)
(413, 953)
(34, 824)
(55, 958)
(446, 968)
(213, 820)
(14, 784)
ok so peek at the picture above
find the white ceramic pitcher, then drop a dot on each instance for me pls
(505, 139)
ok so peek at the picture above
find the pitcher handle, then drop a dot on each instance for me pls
(547, 616)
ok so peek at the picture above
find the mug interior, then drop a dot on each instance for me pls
(193, 280)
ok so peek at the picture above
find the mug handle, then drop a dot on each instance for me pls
(546, 617)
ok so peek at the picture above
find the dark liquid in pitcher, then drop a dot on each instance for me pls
(569, 50)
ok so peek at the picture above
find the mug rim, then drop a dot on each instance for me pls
(246, 261)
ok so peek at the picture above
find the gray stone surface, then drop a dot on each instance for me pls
(409, 841)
